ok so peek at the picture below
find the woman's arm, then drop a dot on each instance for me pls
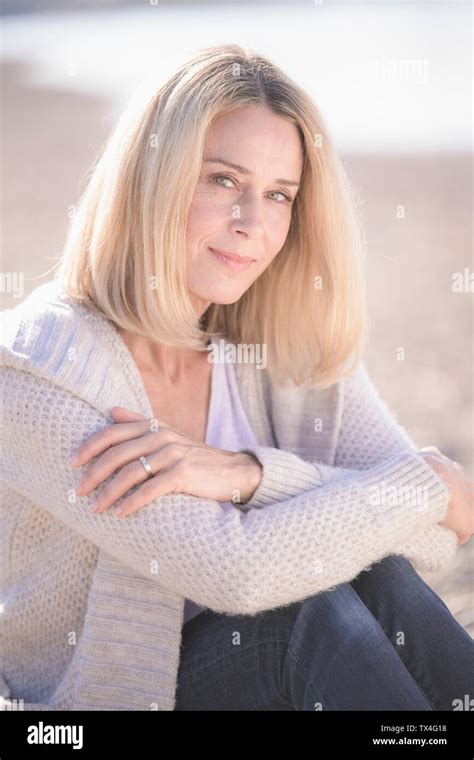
(229, 561)
(369, 435)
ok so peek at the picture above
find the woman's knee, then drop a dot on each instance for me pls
(390, 570)
(332, 620)
(394, 581)
(335, 643)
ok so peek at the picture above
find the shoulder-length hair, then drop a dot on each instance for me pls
(125, 252)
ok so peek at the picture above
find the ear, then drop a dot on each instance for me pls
(120, 414)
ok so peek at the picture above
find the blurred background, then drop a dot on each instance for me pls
(394, 83)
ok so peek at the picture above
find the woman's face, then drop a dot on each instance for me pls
(244, 211)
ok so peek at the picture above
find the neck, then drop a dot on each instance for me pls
(171, 363)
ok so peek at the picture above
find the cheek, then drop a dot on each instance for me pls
(197, 221)
(277, 232)
(206, 213)
(200, 229)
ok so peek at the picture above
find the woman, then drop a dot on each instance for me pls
(253, 494)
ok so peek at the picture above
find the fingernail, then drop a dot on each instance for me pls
(94, 507)
(119, 511)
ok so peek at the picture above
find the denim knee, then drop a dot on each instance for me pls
(393, 577)
(330, 621)
(335, 643)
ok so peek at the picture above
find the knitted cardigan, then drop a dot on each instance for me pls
(92, 605)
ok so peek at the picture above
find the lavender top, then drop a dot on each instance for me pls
(227, 428)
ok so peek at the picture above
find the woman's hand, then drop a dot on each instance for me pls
(179, 464)
(460, 515)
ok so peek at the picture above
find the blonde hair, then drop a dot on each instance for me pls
(125, 252)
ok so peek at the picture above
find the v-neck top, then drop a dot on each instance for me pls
(227, 428)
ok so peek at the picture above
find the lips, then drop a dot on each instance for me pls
(233, 256)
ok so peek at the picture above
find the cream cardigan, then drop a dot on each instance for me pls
(92, 605)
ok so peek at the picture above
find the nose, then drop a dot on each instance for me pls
(247, 215)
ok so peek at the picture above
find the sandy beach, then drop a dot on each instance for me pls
(417, 218)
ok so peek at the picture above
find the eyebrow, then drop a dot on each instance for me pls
(243, 170)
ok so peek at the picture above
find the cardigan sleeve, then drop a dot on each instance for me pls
(230, 561)
(369, 435)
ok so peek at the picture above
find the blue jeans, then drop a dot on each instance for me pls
(384, 641)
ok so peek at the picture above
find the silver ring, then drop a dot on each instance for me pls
(146, 465)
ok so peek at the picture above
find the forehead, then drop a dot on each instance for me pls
(257, 138)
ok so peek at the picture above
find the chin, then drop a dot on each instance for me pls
(227, 300)
(221, 296)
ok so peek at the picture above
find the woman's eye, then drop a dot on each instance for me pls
(284, 196)
(221, 176)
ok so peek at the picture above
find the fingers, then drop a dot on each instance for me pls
(434, 452)
(160, 485)
(120, 414)
(109, 436)
(118, 456)
(133, 474)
